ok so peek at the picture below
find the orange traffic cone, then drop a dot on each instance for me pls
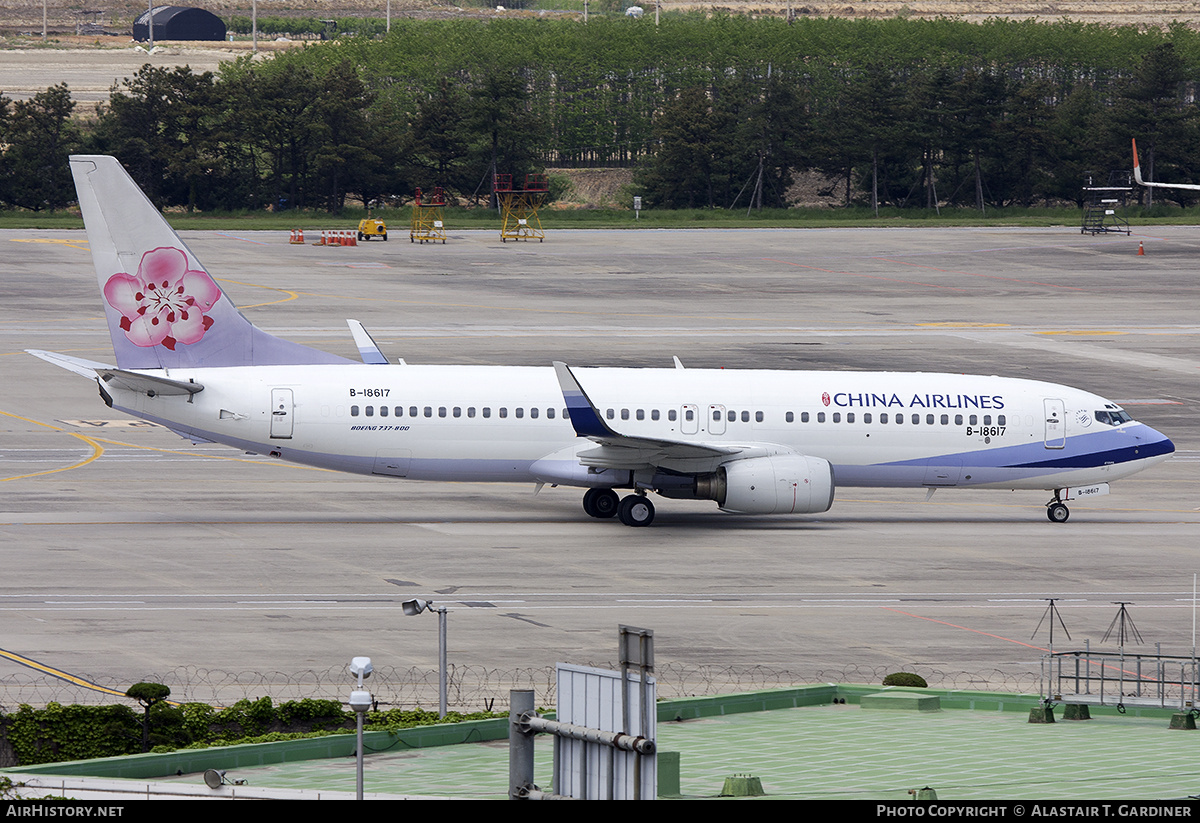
(1141, 249)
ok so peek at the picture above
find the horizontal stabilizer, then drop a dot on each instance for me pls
(145, 384)
(84, 368)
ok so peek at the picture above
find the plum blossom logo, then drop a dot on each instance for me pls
(166, 303)
(825, 398)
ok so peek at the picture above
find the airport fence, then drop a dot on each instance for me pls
(469, 688)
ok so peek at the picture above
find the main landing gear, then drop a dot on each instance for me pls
(1056, 510)
(633, 510)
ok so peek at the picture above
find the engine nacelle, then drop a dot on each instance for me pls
(779, 484)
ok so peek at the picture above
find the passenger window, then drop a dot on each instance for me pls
(503, 411)
(745, 417)
(550, 413)
(820, 417)
(610, 414)
(803, 417)
(624, 414)
(370, 410)
(412, 411)
(849, 417)
(429, 411)
(672, 414)
(441, 411)
(837, 417)
(1000, 420)
(689, 415)
(354, 411)
(945, 420)
(866, 417)
(641, 414)
(487, 411)
(916, 419)
(399, 411)
(789, 417)
(883, 418)
(458, 411)
(383, 411)
(973, 420)
(533, 413)
(520, 412)
(929, 419)
(987, 420)
(758, 417)
(958, 419)
(470, 411)
(654, 414)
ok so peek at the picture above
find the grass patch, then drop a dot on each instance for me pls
(398, 220)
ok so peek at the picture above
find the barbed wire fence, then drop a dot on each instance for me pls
(469, 688)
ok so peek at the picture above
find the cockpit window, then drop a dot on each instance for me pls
(1113, 418)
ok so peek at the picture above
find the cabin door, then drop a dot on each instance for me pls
(1056, 423)
(282, 412)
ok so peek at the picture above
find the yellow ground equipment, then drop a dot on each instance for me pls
(519, 205)
(371, 227)
(427, 214)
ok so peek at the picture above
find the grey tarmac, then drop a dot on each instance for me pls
(128, 552)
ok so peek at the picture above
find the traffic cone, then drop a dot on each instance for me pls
(1141, 249)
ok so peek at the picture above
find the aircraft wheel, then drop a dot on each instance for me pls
(636, 510)
(606, 502)
(384, 237)
(1057, 513)
(600, 503)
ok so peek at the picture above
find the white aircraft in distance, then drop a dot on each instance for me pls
(754, 441)
(1137, 176)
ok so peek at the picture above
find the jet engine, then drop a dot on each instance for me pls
(777, 484)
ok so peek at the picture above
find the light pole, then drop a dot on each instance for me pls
(360, 702)
(412, 607)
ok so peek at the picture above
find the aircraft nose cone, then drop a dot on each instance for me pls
(1158, 443)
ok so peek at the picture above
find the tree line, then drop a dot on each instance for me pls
(711, 112)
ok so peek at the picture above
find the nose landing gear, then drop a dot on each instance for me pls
(1056, 510)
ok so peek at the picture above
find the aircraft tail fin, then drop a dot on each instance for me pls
(163, 308)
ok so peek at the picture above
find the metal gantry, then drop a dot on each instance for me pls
(519, 206)
(428, 217)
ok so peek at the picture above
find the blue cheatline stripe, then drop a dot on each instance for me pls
(1082, 451)
(1086, 460)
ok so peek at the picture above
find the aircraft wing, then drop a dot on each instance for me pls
(1137, 176)
(620, 451)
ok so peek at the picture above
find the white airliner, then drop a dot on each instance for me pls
(754, 441)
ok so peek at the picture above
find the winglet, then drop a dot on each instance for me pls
(367, 349)
(585, 417)
(1137, 167)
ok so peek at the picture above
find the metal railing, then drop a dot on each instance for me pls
(1121, 678)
